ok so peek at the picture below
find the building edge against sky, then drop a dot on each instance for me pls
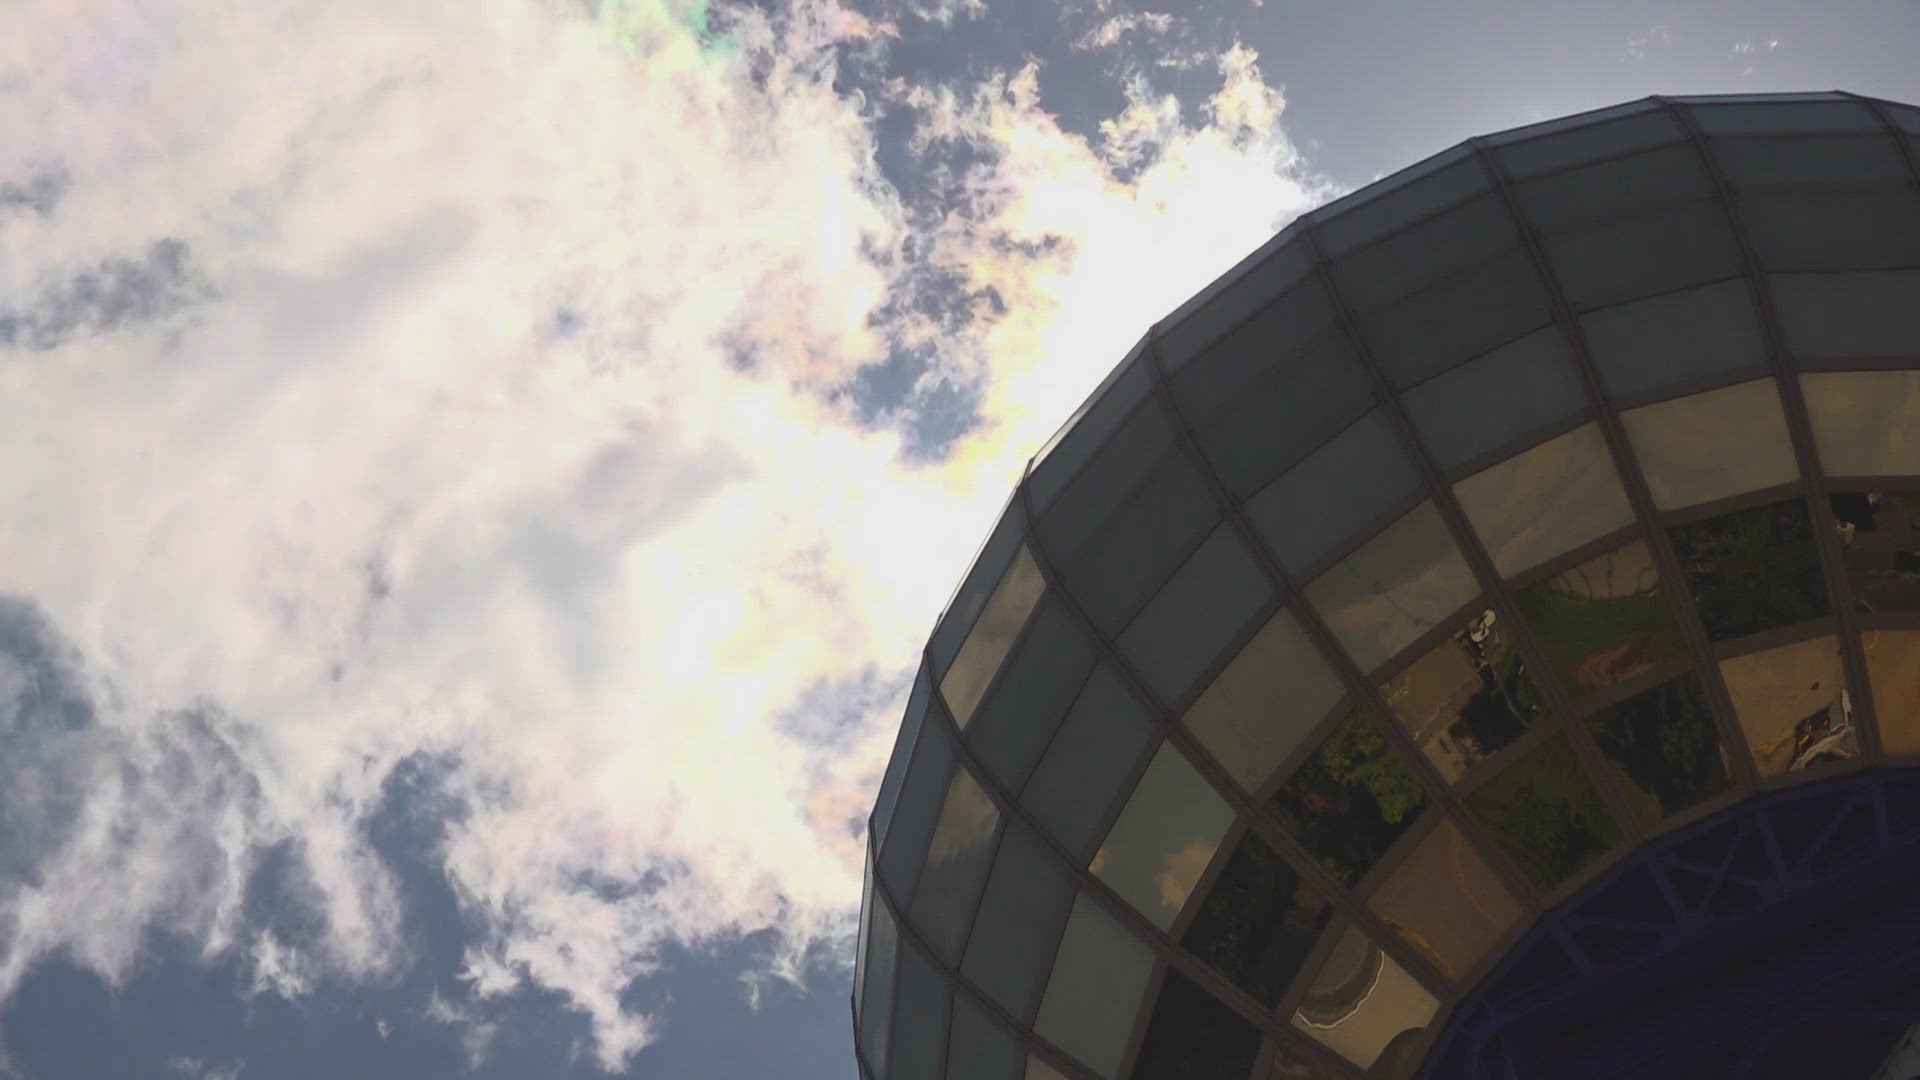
(1466, 557)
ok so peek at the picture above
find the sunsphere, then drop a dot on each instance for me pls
(1478, 636)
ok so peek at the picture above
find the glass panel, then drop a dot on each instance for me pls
(1195, 616)
(1793, 705)
(1290, 1064)
(1258, 922)
(956, 862)
(1445, 901)
(1893, 665)
(1835, 314)
(1194, 1034)
(1082, 772)
(1662, 745)
(1468, 697)
(1356, 476)
(1020, 912)
(920, 1018)
(1267, 700)
(1866, 423)
(1683, 335)
(1592, 136)
(1853, 230)
(1392, 267)
(876, 1012)
(1612, 189)
(1751, 570)
(1040, 1070)
(992, 635)
(1880, 548)
(1117, 398)
(989, 566)
(1249, 289)
(897, 763)
(919, 805)
(1395, 203)
(1602, 621)
(1546, 501)
(1366, 1008)
(1763, 117)
(1491, 401)
(1257, 429)
(1397, 586)
(1350, 801)
(1546, 813)
(1708, 446)
(866, 921)
(1811, 159)
(1621, 260)
(1036, 685)
(980, 1049)
(1095, 989)
(1461, 317)
(1164, 839)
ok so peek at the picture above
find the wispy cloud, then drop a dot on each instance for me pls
(470, 379)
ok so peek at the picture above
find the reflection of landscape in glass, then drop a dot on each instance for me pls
(1751, 570)
(1793, 705)
(1193, 1033)
(1366, 1008)
(1663, 746)
(1468, 697)
(1350, 801)
(1880, 547)
(1602, 621)
(1258, 921)
(1445, 901)
(1893, 666)
(1545, 812)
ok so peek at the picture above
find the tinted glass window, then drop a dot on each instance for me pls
(1866, 423)
(920, 1018)
(1446, 902)
(1265, 701)
(1585, 139)
(1366, 1008)
(1854, 230)
(985, 574)
(1708, 446)
(1489, 402)
(1880, 548)
(1020, 914)
(1467, 697)
(1258, 921)
(1192, 1035)
(1666, 249)
(1094, 992)
(1751, 570)
(1810, 159)
(992, 635)
(1480, 307)
(1080, 777)
(1893, 663)
(1118, 397)
(919, 805)
(1615, 188)
(1662, 340)
(902, 748)
(1546, 814)
(1164, 839)
(1840, 314)
(1353, 479)
(1663, 746)
(876, 1011)
(1605, 620)
(1401, 201)
(1396, 587)
(1251, 431)
(1037, 684)
(1350, 801)
(1391, 267)
(1793, 705)
(1545, 501)
(1192, 620)
(1226, 312)
(956, 863)
(980, 1049)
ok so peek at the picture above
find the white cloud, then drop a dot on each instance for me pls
(450, 448)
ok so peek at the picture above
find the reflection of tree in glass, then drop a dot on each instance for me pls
(1663, 742)
(1350, 801)
(1258, 921)
(1604, 621)
(1752, 569)
(1546, 813)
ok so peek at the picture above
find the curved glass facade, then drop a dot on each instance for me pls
(1484, 525)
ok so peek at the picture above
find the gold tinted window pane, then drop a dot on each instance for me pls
(1397, 586)
(1602, 621)
(1893, 665)
(1546, 813)
(1880, 548)
(1467, 698)
(957, 859)
(1545, 501)
(1662, 746)
(1350, 801)
(1751, 570)
(1164, 838)
(1366, 1008)
(1040, 1070)
(1866, 423)
(1708, 446)
(1446, 902)
(1793, 705)
(992, 635)
(1268, 699)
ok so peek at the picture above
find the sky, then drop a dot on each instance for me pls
(475, 477)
